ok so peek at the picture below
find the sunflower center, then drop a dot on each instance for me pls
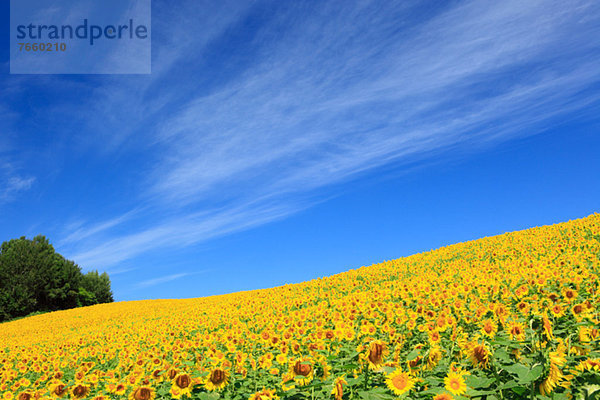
(142, 394)
(302, 369)
(376, 353)
(79, 391)
(400, 381)
(480, 353)
(60, 390)
(183, 381)
(217, 376)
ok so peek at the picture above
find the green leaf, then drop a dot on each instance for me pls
(413, 354)
(524, 373)
(519, 390)
(479, 382)
(374, 394)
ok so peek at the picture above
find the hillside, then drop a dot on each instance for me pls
(509, 316)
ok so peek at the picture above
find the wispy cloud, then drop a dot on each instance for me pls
(165, 279)
(162, 279)
(12, 182)
(78, 233)
(330, 93)
(181, 232)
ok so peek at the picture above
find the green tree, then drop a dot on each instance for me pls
(33, 277)
(98, 285)
(25, 267)
(62, 286)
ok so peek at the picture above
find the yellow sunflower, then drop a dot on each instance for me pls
(479, 355)
(80, 391)
(400, 382)
(182, 386)
(142, 393)
(302, 370)
(489, 327)
(547, 325)
(26, 395)
(217, 380)
(376, 354)
(338, 387)
(117, 388)
(516, 331)
(265, 394)
(455, 383)
(58, 389)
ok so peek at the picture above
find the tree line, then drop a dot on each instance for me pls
(35, 278)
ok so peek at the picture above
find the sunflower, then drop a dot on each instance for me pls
(479, 355)
(80, 391)
(217, 380)
(578, 311)
(338, 387)
(142, 393)
(555, 376)
(455, 383)
(117, 388)
(182, 385)
(302, 370)
(443, 396)
(570, 295)
(265, 394)
(489, 328)
(557, 310)
(590, 364)
(523, 307)
(551, 381)
(516, 331)
(400, 382)
(281, 359)
(376, 354)
(26, 395)
(547, 325)
(58, 389)
(434, 337)
(434, 357)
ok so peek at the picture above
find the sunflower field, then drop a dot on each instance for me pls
(514, 316)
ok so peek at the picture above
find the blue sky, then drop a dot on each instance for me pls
(277, 142)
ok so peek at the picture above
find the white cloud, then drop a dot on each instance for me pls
(164, 279)
(12, 182)
(335, 94)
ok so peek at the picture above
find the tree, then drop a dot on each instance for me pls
(26, 266)
(62, 287)
(98, 285)
(33, 277)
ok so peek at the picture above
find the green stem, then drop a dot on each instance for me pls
(532, 393)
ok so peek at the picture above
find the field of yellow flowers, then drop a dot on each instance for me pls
(514, 316)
